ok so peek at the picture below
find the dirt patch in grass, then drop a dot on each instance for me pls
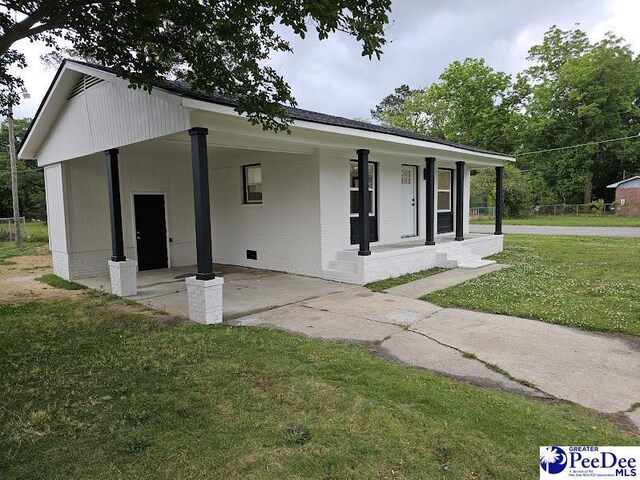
(19, 284)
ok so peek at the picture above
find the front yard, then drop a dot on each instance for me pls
(585, 282)
(92, 387)
(584, 220)
(96, 387)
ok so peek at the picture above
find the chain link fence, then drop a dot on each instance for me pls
(8, 231)
(479, 212)
(557, 209)
(579, 209)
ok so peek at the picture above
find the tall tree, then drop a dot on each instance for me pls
(219, 46)
(470, 104)
(391, 106)
(578, 93)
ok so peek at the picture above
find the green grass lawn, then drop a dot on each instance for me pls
(36, 236)
(585, 220)
(586, 282)
(89, 389)
(10, 249)
(37, 232)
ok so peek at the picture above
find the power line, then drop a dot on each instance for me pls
(578, 145)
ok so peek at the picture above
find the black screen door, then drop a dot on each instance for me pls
(151, 231)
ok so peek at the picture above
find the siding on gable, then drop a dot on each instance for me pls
(110, 115)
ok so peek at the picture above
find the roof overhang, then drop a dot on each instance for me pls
(70, 72)
(615, 185)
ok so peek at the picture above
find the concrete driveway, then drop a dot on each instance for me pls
(629, 232)
(595, 370)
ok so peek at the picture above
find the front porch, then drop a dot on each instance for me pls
(392, 260)
(246, 290)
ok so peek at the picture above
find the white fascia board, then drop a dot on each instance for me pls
(615, 185)
(354, 132)
(47, 115)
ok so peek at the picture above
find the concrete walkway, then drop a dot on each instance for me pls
(440, 281)
(627, 232)
(595, 370)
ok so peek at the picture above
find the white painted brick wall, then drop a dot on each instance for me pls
(301, 226)
(183, 253)
(205, 299)
(284, 229)
(61, 264)
(393, 263)
(89, 264)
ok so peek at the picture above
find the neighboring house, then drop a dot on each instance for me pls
(137, 181)
(627, 196)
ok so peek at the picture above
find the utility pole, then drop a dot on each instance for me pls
(14, 175)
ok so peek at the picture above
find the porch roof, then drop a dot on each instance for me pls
(183, 90)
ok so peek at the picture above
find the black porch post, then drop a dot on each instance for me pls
(430, 177)
(459, 201)
(499, 193)
(200, 166)
(115, 208)
(363, 201)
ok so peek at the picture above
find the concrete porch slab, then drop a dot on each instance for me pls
(245, 291)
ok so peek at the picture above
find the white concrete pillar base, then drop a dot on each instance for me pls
(205, 299)
(124, 281)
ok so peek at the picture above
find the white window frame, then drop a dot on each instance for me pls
(372, 189)
(448, 190)
(246, 184)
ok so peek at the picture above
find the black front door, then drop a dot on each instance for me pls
(151, 231)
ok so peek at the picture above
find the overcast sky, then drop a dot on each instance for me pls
(426, 35)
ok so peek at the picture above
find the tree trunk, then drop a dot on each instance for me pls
(588, 185)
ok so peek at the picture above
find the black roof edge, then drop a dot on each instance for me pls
(184, 90)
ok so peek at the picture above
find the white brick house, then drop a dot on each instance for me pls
(125, 171)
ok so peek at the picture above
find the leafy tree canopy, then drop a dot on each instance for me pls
(217, 46)
(470, 104)
(574, 92)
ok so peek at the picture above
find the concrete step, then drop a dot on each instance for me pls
(343, 266)
(339, 276)
(348, 255)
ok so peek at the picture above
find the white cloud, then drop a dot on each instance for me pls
(622, 20)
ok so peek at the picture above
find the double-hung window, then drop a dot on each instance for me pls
(252, 178)
(444, 190)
